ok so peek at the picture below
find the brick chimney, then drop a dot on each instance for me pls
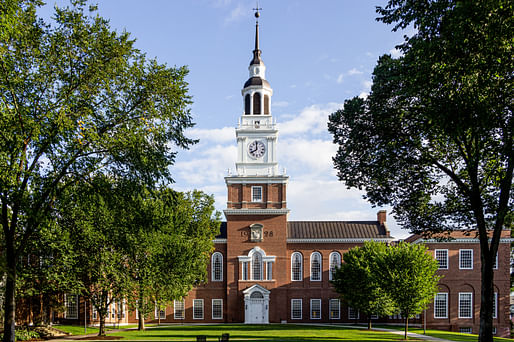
(382, 217)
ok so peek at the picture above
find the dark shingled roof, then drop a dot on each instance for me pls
(327, 230)
(335, 230)
(256, 81)
(223, 231)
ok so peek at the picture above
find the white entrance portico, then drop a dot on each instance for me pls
(256, 305)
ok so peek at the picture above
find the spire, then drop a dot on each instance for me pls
(256, 52)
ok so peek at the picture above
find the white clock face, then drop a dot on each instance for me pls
(256, 149)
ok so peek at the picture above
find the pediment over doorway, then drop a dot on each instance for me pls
(256, 288)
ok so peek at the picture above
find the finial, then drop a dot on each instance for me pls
(257, 9)
(256, 52)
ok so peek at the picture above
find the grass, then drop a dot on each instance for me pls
(447, 335)
(271, 332)
(79, 330)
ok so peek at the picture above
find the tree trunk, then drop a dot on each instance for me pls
(141, 322)
(369, 322)
(10, 295)
(406, 327)
(486, 299)
(101, 330)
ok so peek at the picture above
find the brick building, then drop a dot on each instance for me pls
(266, 269)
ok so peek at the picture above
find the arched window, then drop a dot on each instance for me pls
(257, 103)
(296, 266)
(315, 266)
(256, 295)
(335, 262)
(266, 104)
(217, 266)
(257, 266)
(247, 104)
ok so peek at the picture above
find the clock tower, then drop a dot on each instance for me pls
(256, 207)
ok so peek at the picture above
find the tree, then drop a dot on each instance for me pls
(358, 284)
(406, 272)
(76, 99)
(168, 243)
(434, 138)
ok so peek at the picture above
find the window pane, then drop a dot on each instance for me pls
(217, 267)
(296, 267)
(466, 259)
(465, 305)
(256, 193)
(315, 308)
(296, 309)
(72, 306)
(245, 270)
(335, 262)
(178, 307)
(334, 309)
(315, 267)
(352, 313)
(257, 266)
(441, 305)
(269, 270)
(441, 256)
(217, 308)
(197, 308)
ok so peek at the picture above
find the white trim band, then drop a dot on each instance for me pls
(344, 240)
(245, 211)
(453, 240)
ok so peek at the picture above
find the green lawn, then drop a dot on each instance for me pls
(272, 332)
(79, 330)
(453, 336)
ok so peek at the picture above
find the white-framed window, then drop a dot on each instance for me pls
(72, 306)
(160, 313)
(335, 263)
(494, 330)
(257, 266)
(374, 316)
(465, 305)
(121, 308)
(296, 266)
(217, 266)
(441, 255)
(217, 309)
(465, 330)
(315, 266)
(197, 308)
(95, 312)
(495, 305)
(244, 270)
(179, 311)
(296, 309)
(269, 270)
(466, 259)
(315, 308)
(352, 313)
(441, 305)
(335, 308)
(256, 193)
(495, 262)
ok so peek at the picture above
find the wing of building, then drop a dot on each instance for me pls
(266, 269)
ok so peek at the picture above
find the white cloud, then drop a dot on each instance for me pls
(237, 14)
(364, 95)
(309, 155)
(340, 78)
(219, 135)
(367, 85)
(395, 53)
(312, 119)
(354, 71)
(279, 104)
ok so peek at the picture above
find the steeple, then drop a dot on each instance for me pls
(256, 52)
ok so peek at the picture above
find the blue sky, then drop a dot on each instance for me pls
(317, 54)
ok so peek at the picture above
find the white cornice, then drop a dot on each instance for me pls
(219, 241)
(466, 240)
(281, 179)
(256, 211)
(344, 240)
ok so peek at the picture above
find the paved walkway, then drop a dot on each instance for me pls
(393, 331)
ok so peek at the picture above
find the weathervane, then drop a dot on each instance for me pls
(257, 9)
